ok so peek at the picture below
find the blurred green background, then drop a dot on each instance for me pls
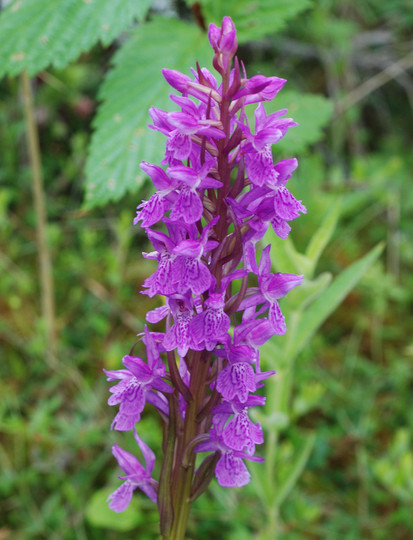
(93, 76)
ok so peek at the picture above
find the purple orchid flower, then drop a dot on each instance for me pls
(212, 325)
(258, 155)
(230, 469)
(135, 384)
(272, 287)
(188, 205)
(179, 336)
(211, 207)
(239, 433)
(136, 476)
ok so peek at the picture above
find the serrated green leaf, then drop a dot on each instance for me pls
(311, 111)
(121, 138)
(253, 19)
(331, 298)
(99, 514)
(40, 33)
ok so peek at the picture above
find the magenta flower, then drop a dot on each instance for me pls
(180, 336)
(135, 384)
(188, 205)
(212, 325)
(216, 193)
(230, 469)
(136, 476)
(258, 155)
(260, 88)
(271, 287)
(224, 42)
(239, 433)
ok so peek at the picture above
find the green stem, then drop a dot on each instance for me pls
(164, 493)
(46, 277)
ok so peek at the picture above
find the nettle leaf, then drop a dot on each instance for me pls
(121, 138)
(311, 111)
(40, 33)
(253, 19)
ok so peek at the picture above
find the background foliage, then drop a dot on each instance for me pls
(339, 424)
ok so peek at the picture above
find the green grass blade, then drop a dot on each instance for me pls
(323, 235)
(331, 298)
(301, 458)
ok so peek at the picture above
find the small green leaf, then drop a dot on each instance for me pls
(331, 298)
(39, 33)
(99, 514)
(121, 138)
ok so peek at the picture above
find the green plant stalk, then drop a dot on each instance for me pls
(181, 476)
(182, 502)
(39, 199)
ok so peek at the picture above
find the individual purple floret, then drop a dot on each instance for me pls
(239, 433)
(217, 191)
(271, 287)
(136, 476)
(180, 336)
(135, 384)
(230, 470)
(238, 380)
(212, 325)
(258, 156)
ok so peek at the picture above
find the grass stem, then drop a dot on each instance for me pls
(39, 200)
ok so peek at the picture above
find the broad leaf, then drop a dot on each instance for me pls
(122, 138)
(38, 33)
(253, 20)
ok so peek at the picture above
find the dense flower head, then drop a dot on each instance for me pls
(218, 190)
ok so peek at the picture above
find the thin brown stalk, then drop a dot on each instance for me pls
(45, 266)
(367, 87)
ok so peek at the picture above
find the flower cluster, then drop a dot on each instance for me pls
(217, 192)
